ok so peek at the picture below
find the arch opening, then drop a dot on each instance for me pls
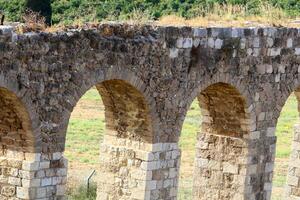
(285, 169)
(125, 134)
(221, 145)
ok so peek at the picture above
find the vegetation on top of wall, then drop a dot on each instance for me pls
(68, 11)
(42, 7)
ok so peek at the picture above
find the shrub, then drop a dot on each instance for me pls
(43, 7)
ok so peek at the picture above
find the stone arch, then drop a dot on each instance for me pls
(129, 135)
(222, 146)
(104, 82)
(239, 85)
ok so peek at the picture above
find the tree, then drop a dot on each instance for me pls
(43, 7)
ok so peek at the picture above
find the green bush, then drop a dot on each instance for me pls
(66, 11)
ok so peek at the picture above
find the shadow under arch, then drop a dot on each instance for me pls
(126, 112)
(17, 133)
(222, 146)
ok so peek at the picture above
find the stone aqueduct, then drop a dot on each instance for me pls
(148, 77)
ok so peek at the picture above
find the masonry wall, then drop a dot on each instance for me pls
(170, 67)
(222, 145)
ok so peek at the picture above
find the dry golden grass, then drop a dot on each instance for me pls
(33, 21)
(233, 16)
(216, 16)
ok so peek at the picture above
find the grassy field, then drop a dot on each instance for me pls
(86, 130)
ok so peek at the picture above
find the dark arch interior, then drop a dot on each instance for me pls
(126, 111)
(15, 126)
(223, 110)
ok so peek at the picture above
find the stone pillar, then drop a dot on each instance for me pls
(139, 171)
(220, 168)
(32, 176)
(293, 176)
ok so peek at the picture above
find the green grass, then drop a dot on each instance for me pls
(82, 193)
(84, 136)
(91, 94)
(284, 130)
(83, 139)
(190, 127)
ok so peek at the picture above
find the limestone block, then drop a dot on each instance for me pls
(14, 163)
(199, 32)
(31, 183)
(60, 190)
(196, 42)
(218, 44)
(269, 167)
(274, 51)
(41, 192)
(27, 174)
(211, 42)
(268, 186)
(46, 181)
(26, 193)
(168, 183)
(3, 162)
(270, 42)
(271, 131)
(149, 166)
(297, 51)
(16, 155)
(57, 156)
(140, 195)
(44, 165)
(13, 172)
(8, 191)
(237, 32)
(184, 43)
(141, 175)
(269, 69)
(50, 190)
(252, 169)
(292, 180)
(61, 172)
(289, 43)
(256, 42)
(230, 168)
(157, 147)
(281, 69)
(254, 135)
(173, 173)
(33, 156)
(14, 181)
(30, 166)
(173, 53)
